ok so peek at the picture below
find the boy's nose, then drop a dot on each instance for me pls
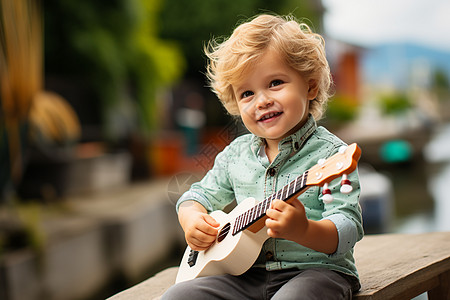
(263, 101)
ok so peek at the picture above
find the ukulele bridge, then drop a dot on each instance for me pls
(192, 258)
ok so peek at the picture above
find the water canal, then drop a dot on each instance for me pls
(421, 188)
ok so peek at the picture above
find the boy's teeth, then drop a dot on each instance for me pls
(268, 116)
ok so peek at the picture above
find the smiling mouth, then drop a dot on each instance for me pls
(269, 116)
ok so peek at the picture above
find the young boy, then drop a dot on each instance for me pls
(272, 72)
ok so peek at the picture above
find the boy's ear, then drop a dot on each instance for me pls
(313, 89)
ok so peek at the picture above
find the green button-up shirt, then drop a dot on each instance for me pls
(242, 170)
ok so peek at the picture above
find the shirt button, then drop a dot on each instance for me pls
(269, 256)
(272, 172)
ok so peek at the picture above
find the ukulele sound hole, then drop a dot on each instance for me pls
(223, 232)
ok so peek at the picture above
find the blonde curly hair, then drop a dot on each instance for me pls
(302, 49)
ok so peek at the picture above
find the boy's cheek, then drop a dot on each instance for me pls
(246, 112)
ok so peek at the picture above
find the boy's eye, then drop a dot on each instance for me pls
(275, 82)
(246, 94)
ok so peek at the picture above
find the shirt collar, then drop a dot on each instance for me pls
(295, 140)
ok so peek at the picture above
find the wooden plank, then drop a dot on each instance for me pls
(150, 289)
(442, 291)
(392, 266)
(397, 264)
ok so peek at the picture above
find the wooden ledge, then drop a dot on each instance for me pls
(391, 266)
(152, 288)
(402, 266)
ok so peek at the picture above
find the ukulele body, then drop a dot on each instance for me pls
(230, 254)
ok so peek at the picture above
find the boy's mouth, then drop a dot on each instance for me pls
(269, 115)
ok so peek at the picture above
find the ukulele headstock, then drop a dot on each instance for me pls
(343, 162)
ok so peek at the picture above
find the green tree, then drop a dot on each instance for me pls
(394, 103)
(441, 84)
(114, 48)
(192, 23)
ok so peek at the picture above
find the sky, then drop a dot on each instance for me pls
(374, 22)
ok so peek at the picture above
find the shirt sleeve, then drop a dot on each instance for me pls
(194, 196)
(347, 232)
(214, 191)
(345, 212)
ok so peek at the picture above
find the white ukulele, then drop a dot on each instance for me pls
(240, 237)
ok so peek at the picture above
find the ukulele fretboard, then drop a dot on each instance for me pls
(252, 215)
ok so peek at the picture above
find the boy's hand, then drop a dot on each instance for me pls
(200, 229)
(287, 221)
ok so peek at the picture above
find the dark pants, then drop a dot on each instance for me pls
(257, 283)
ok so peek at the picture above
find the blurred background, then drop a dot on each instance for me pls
(105, 120)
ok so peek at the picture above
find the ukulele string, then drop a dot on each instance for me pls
(243, 220)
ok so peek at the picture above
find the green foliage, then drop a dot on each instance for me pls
(30, 216)
(115, 47)
(441, 84)
(120, 48)
(394, 103)
(440, 80)
(192, 23)
(342, 109)
(22, 228)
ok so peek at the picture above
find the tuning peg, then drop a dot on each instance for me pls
(327, 197)
(321, 162)
(346, 185)
(342, 149)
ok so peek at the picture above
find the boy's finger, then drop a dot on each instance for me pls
(211, 221)
(273, 213)
(206, 227)
(198, 245)
(278, 204)
(272, 233)
(298, 204)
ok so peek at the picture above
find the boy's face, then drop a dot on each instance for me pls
(273, 98)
